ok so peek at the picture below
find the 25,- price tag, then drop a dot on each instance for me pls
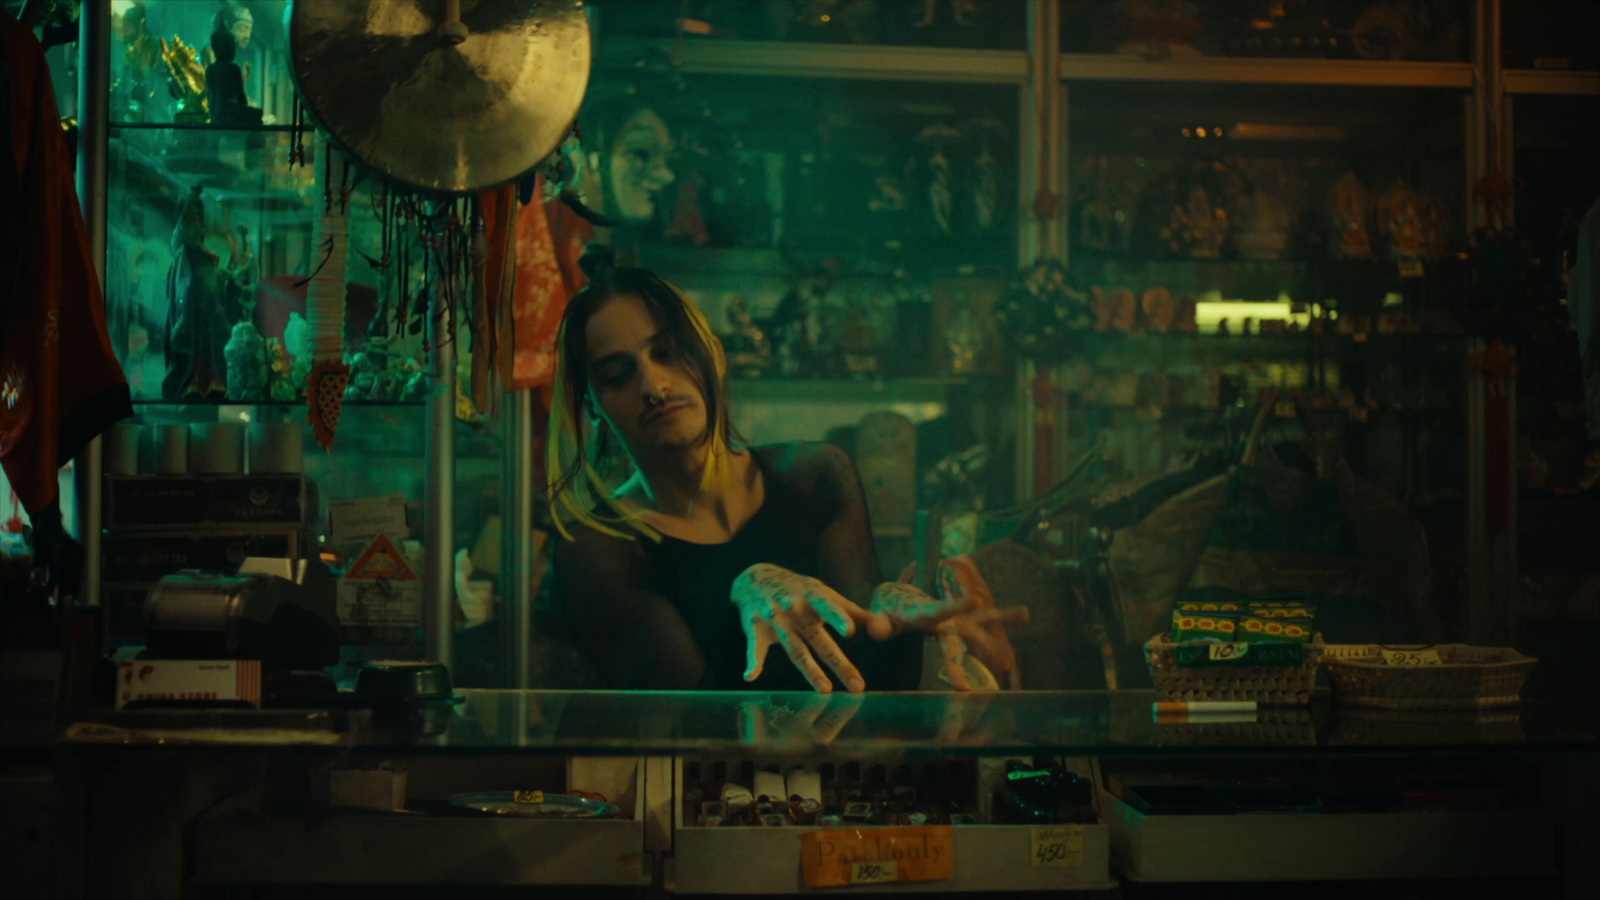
(877, 856)
(1058, 848)
(1412, 657)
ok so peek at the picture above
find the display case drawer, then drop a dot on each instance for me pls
(411, 848)
(988, 859)
(1329, 846)
(415, 849)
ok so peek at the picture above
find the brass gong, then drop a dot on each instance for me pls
(450, 96)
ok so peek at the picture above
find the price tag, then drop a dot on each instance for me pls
(1410, 268)
(877, 855)
(531, 798)
(1227, 651)
(1058, 848)
(1412, 657)
(874, 873)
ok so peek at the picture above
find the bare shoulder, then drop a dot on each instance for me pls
(820, 470)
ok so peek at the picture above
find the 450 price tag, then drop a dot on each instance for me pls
(1058, 848)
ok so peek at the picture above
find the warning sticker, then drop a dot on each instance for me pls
(381, 588)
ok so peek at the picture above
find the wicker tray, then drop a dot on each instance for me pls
(1267, 685)
(1467, 677)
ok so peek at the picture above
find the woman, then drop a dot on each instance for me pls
(706, 555)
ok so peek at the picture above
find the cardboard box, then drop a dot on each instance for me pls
(202, 680)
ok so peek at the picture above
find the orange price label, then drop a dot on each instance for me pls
(843, 858)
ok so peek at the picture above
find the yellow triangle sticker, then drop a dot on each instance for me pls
(382, 559)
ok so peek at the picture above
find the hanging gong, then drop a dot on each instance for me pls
(451, 96)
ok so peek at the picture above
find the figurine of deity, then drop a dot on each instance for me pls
(225, 85)
(141, 55)
(1406, 218)
(188, 80)
(749, 351)
(248, 369)
(1347, 214)
(1197, 228)
(203, 300)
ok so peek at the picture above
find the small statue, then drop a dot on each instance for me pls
(749, 350)
(225, 86)
(203, 298)
(188, 79)
(248, 369)
(1347, 213)
(141, 55)
(1198, 228)
(1406, 219)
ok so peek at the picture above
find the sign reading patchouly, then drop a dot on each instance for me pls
(878, 855)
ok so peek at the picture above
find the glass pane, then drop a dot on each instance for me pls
(1558, 423)
(143, 88)
(1553, 34)
(1233, 242)
(1322, 29)
(988, 25)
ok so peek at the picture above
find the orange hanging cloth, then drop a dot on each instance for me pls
(542, 262)
(51, 307)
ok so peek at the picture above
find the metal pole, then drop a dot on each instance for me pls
(516, 556)
(94, 90)
(438, 577)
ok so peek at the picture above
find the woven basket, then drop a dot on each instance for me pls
(1267, 685)
(1366, 726)
(1467, 677)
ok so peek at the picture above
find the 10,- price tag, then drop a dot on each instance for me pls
(875, 873)
(1058, 848)
(1228, 651)
(1412, 657)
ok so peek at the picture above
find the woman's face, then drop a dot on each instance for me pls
(639, 382)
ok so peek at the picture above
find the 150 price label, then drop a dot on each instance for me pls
(1412, 657)
(1058, 848)
(875, 873)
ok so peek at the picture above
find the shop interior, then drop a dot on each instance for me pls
(1221, 376)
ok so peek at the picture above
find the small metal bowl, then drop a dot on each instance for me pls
(398, 679)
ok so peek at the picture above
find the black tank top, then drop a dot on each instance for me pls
(697, 578)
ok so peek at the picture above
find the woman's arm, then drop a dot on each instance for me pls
(634, 636)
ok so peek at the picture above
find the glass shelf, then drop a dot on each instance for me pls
(276, 404)
(918, 724)
(185, 126)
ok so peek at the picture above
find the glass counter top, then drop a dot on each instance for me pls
(798, 725)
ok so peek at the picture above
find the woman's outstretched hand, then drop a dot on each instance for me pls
(777, 606)
(963, 617)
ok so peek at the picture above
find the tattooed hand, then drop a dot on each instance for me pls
(777, 606)
(964, 618)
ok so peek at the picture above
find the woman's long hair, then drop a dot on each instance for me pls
(578, 492)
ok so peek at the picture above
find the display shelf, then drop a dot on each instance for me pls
(1557, 82)
(274, 404)
(1266, 70)
(190, 126)
(934, 64)
(988, 858)
(401, 848)
(1329, 846)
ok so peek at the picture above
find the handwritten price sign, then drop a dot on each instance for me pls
(1412, 657)
(1058, 848)
(1228, 651)
(874, 873)
(535, 798)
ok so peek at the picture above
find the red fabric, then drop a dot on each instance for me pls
(549, 239)
(51, 306)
